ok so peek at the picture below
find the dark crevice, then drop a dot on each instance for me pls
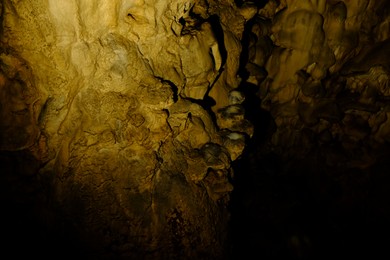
(219, 35)
(245, 43)
(182, 21)
(131, 16)
(192, 23)
(43, 112)
(174, 88)
(258, 3)
(207, 103)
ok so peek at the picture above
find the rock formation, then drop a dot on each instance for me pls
(317, 73)
(111, 100)
(120, 120)
(326, 64)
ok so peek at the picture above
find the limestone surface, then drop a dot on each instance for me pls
(110, 98)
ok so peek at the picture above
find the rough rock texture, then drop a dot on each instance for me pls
(315, 179)
(121, 121)
(125, 111)
(324, 63)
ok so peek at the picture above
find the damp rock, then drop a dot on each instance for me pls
(234, 143)
(236, 97)
(215, 156)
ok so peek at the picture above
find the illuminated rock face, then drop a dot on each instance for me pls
(129, 114)
(110, 98)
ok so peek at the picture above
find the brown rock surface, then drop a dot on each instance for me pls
(125, 126)
(107, 98)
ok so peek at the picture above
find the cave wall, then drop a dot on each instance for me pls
(121, 120)
(126, 112)
(320, 70)
(314, 183)
(326, 71)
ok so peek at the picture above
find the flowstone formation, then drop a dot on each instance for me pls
(128, 115)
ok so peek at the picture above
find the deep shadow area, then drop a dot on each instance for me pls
(292, 207)
(28, 227)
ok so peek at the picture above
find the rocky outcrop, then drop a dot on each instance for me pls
(126, 108)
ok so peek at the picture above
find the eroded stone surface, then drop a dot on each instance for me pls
(129, 115)
(103, 94)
